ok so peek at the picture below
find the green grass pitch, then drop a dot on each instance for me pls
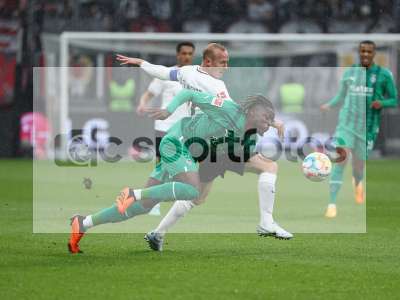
(201, 266)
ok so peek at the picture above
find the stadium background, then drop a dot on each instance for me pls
(26, 24)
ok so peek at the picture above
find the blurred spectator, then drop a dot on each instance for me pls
(58, 16)
(126, 12)
(196, 25)
(263, 12)
(244, 26)
(130, 9)
(153, 16)
(223, 13)
(34, 134)
(260, 17)
(195, 15)
(383, 24)
(194, 9)
(160, 9)
(8, 48)
(149, 24)
(303, 17)
(246, 16)
(8, 9)
(260, 10)
(92, 17)
(301, 26)
(385, 13)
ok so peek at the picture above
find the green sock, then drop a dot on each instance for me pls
(336, 182)
(158, 193)
(112, 215)
(170, 191)
(358, 176)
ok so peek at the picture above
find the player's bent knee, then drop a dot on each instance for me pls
(203, 195)
(268, 166)
(185, 191)
(260, 164)
(273, 167)
(200, 200)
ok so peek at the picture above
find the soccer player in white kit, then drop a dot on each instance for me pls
(205, 78)
(166, 90)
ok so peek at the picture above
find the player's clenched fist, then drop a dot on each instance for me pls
(325, 107)
(376, 104)
(125, 60)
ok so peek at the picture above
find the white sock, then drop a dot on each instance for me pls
(156, 210)
(138, 194)
(177, 211)
(87, 222)
(266, 197)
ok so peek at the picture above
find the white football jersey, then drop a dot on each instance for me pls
(194, 78)
(167, 90)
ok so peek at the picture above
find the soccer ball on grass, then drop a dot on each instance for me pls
(317, 166)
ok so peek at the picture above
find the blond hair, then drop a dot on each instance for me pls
(209, 52)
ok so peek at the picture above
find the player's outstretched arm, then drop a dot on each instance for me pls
(125, 60)
(158, 71)
(183, 96)
(341, 94)
(205, 101)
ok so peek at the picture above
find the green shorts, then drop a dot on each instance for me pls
(175, 158)
(347, 139)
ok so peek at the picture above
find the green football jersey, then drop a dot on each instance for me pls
(359, 87)
(219, 116)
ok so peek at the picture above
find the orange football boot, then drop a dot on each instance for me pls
(331, 211)
(358, 192)
(125, 199)
(77, 232)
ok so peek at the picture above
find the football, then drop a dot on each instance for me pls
(317, 166)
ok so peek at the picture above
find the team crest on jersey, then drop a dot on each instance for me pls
(217, 101)
(373, 78)
(222, 95)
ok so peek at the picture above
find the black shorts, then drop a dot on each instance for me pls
(159, 135)
(208, 170)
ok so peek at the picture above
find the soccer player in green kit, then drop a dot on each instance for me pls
(365, 89)
(176, 175)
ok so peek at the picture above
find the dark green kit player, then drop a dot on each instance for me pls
(365, 89)
(176, 175)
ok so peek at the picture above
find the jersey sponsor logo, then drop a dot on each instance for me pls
(189, 87)
(373, 78)
(361, 90)
(217, 101)
(222, 95)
